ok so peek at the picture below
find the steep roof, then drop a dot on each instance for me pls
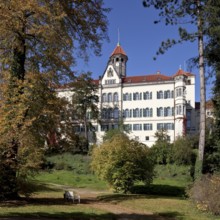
(118, 50)
(146, 78)
(180, 72)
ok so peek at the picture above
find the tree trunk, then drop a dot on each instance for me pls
(202, 90)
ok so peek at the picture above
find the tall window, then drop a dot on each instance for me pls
(116, 113)
(160, 112)
(109, 97)
(115, 97)
(104, 97)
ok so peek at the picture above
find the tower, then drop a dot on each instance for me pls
(180, 102)
(119, 59)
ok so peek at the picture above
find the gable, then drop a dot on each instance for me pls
(110, 76)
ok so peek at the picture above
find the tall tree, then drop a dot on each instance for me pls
(175, 12)
(38, 41)
(212, 52)
(85, 102)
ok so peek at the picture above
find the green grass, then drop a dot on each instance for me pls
(69, 178)
(165, 197)
(168, 207)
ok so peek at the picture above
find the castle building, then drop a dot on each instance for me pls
(146, 103)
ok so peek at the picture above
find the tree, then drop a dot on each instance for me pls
(212, 153)
(161, 150)
(85, 102)
(38, 43)
(176, 12)
(121, 162)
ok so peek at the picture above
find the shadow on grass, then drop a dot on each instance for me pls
(160, 190)
(74, 211)
(85, 216)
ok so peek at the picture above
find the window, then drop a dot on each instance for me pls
(178, 92)
(148, 127)
(167, 94)
(168, 126)
(104, 97)
(104, 113)
(137, 127)
(179, 110)
(136, 113)
(147, 138)
(116, 113)
(127, 97)
(147, 95)
(110, 113)
(126, 113)
(110, 81)
(160, 112)
(109, 97)
(167, 111)
(159, 126)
(147, 112)
(115, 97)
(188, 119)
(137, 96)
(160, 95)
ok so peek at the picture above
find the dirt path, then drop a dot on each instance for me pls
(89, 198)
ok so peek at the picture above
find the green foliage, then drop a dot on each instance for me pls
(182, 151)
(39, 57)
(205, 192)
(161, 151)
(121, 162)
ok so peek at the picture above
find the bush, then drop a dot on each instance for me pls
(121, 162)
(205, 192)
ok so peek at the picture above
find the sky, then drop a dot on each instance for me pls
(140, 38)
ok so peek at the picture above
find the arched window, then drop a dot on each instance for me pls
(136, 112)
(109, 97)
(115, 97)
(160, 112)
(168, 95)
(126, 113)
(160, 95)
(104, 97)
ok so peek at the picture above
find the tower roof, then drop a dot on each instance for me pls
(118, 50)
(180, 72)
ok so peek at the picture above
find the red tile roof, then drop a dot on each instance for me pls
(180, 72)
(146, 78)
(118, 50)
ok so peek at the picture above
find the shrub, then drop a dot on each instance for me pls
(121, 162)
(205, 192)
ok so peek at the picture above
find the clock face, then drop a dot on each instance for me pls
(117, 64)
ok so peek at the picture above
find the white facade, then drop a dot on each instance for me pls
(145, 103)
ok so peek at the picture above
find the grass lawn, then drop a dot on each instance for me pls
(164, 200)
